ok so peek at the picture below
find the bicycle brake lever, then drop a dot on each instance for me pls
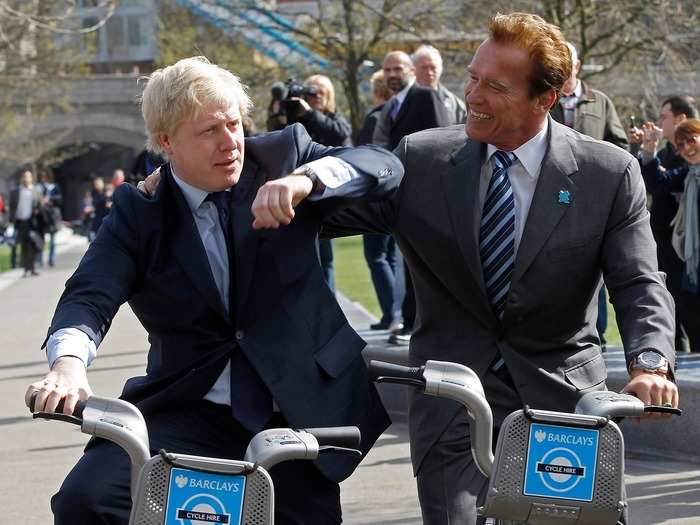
(663, 410)
(339, 450)
(58, 417)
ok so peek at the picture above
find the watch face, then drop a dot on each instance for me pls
(650, 360)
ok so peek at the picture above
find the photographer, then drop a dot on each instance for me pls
(313, 106)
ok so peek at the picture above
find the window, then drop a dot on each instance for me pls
(115, 33)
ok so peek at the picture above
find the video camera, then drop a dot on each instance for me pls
(287, 93)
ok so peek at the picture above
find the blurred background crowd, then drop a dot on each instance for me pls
(351, 73)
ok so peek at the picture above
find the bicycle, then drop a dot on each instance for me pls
(548, 467)
(171, 488)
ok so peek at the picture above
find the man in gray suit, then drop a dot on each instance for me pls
(428, 63)
(506, 233)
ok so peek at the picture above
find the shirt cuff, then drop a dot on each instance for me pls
(646, 157)
(332, 171)
(72, 342)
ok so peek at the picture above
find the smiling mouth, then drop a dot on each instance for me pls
(475, 115)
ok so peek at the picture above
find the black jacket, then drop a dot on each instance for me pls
(327, 128)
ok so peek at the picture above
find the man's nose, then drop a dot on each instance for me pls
(228, 141)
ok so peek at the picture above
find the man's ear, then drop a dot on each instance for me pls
(164, 141)
(545, 101)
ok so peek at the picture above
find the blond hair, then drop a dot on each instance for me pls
(324, 82)
(549, 55)
(379, 87)
(179, 92)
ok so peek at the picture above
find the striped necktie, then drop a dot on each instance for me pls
(497, 233)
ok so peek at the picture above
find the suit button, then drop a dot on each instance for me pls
(240, 334)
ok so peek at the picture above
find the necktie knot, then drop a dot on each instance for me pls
(503, 159)
(219, 200)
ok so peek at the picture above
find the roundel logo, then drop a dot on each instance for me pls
(560, 469)
(203, 509)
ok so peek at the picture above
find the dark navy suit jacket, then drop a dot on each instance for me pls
(287, 321)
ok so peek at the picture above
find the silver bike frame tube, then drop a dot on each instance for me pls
(122, 423)
(461, 384)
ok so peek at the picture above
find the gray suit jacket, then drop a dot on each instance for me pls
(548, 333)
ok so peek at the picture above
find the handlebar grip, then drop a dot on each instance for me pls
(388, 372)
(58, 413)
(344, 437)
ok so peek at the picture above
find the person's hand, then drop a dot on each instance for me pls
(652, 389)
(66, 380)
(636, 135)
(299, 108)
(275, 201)
(651, 137)
(149, 185)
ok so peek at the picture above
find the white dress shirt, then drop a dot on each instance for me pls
(25, 203)
(331, 171)
(523, 175)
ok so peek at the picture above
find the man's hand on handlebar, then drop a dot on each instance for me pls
(652, 389)
(66, 381)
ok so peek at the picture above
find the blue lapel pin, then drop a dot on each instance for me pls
(564, 197)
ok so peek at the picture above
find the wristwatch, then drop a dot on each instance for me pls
(650, 362)
(308, 171)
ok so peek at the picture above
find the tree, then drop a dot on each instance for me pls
(353, 35)
(182, 34)
(633, 49)
(41, 45)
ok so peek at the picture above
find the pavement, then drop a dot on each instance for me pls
(36, 455)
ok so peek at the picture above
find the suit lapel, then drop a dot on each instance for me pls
(188, 249)
(245, 239)
(403, 110)
(461, 182)
(547, 207)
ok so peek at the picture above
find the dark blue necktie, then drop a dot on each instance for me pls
(497, 233)
(394, 108)
(219, 198)
(251, 402)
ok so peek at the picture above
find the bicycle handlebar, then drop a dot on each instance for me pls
(616, 406)
(275, 445)
(76, 418)
(113, 419)
(382, 372)
(336, 437)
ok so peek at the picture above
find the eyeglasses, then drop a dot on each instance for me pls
(690, 141)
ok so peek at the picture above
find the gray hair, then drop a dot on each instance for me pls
(426, 51)
(574, 53)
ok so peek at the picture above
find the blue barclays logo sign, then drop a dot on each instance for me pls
(202, 497)
(561, 462)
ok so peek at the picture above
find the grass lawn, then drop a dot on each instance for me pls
(4, 258)
(353, 279)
